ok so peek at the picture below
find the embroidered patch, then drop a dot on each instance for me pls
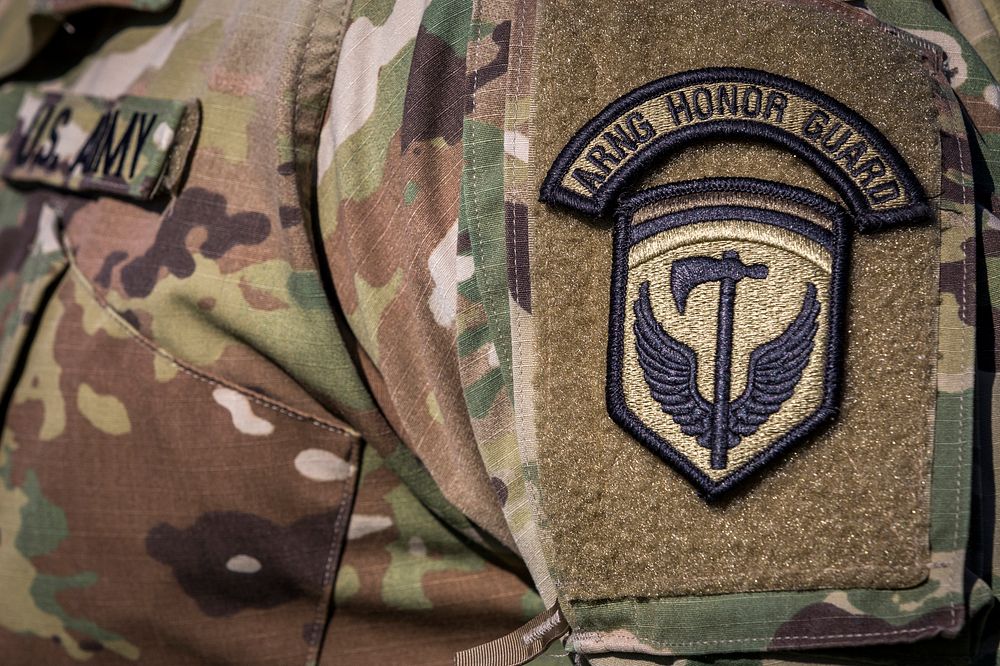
(636, 129)
(726, 319)
(727, 301)
(134, 147)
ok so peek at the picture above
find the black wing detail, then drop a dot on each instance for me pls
(671, 370)
(775, 369)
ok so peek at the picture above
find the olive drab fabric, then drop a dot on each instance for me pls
(303, 360)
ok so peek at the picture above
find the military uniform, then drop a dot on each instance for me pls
(366, 332)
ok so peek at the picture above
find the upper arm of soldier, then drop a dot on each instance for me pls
(716, 316)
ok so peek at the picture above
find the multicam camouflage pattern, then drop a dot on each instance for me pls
(390, 169)
(498, 154)
(186, 403)
(257, 423)
(28, 25)
(977, 22)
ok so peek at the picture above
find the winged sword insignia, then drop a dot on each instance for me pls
(671, 370)
(726, 318)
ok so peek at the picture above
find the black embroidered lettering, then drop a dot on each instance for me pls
(852, 154)
(33, 134)
(777, 103)
(140, 140)
(589, 179)
(115, 153)
(609, 154)
(726, 100)
(48, 158)
(870, 171)
(703, 103)
(620, 141)
(678, 103)
(92, 150)
(599, 157)
(752, 97)
(887, 191)
(815, 124)
(642, 129)
(831, 144)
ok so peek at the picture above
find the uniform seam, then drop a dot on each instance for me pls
(599, 639)
(137, 337)
(514, 185)
(916, 566)
(332, 555)
(474, 199)
(297, 86)
(473, 167)
(961, 394)
(328, 71)
(514, 190)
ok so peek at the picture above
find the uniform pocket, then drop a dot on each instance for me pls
(159, 512)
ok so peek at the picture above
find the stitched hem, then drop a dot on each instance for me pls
(200, 375)
(602, 642)
(914, 567)
(326, 74)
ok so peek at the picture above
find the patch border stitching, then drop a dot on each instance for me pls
(614, 386)
(553, 192)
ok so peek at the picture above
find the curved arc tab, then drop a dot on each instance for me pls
(638, 128)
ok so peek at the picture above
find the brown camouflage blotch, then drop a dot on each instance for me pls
(501, 489)
(464, 244)
(103, 277)
(292, 558)
(16, 242)
(435, 93)
(289, 216)
(196, 208)
(492, 70)
(839, 628)
(260, 299)
(958, 278)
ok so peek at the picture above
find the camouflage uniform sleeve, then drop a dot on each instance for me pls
(515, 259)
(429, 567)
(488, 263)
(366, 331)
(969, 39)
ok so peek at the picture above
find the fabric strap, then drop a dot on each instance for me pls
(519, 646)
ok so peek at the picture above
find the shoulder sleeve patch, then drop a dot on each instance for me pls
(726, 323)
(664, 115)
(134, 147)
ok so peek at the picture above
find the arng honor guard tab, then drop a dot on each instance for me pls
(720, 385)
(634, 130)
